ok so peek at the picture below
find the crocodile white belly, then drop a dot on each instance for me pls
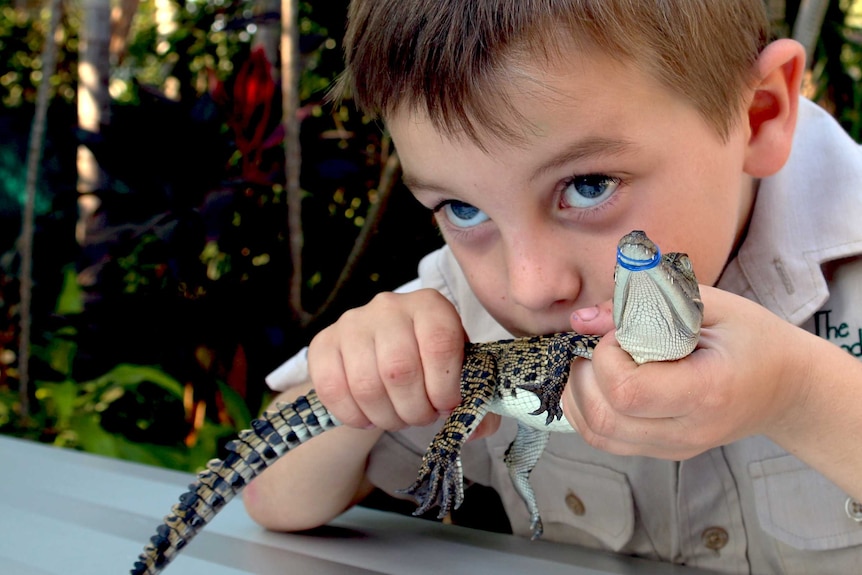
(520, 405)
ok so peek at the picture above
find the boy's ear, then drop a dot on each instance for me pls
(774, 106)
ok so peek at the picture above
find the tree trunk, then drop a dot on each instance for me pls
(389, 175)
(293, 154)
(93, 102)
(25, 242)
(809, 21)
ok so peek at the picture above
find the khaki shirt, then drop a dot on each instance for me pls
(748, 507)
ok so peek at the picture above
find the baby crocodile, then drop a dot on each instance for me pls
(657, 311)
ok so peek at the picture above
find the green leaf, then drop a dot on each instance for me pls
(71, 300)
(92, 438)
(59, 398)
(129, 376)
(60, 354)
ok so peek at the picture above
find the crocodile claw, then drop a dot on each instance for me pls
(440, 483)
(536, 528)
(550, 400)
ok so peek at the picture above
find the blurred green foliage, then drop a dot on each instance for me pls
(151, 338)
(837, 69)
(21, 38)
(134, 412)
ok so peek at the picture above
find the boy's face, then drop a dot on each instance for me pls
(534, 225)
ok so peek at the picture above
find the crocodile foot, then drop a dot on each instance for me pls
(536, 527)
(440, 483)
(550, 398)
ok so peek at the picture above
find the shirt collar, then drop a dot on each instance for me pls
(809, 213)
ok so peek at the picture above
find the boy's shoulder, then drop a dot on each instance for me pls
(805, 215)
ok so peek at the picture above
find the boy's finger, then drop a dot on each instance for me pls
(329, 378)
(401, 371)
(366, 387)
(441, 347)
(593, 320)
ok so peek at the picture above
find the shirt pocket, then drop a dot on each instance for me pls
(579, 502)
(806, 512)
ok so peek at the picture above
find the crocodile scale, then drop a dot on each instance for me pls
(270, 436)
(522, 378)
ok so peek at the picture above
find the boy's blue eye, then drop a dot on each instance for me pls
(463, 215)
(589, 191)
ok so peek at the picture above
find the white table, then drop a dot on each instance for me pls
(69, 513)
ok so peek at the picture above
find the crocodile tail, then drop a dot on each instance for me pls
(255, 449)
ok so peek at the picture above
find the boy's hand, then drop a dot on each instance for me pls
(392, 363)
(738, 382)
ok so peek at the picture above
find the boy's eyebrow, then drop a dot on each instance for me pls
(579, 150)
(415, 184)
(583, 149)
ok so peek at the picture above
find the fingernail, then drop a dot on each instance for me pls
(586, 314)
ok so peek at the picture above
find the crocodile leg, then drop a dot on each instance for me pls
(521, 457)
(492, 374)
(560, 353)
(441, 479)
(270, 437)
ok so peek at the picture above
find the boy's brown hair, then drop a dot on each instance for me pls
(451, 58)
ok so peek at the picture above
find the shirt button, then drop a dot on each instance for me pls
(853, 509)
(574, 503)
(714, 538)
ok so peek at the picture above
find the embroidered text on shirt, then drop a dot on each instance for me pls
(839, 333)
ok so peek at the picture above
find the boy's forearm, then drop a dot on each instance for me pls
(314, 483)
(825, 423)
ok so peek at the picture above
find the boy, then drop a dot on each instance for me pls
(540, 132)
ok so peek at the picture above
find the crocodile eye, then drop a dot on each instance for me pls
(685, 263)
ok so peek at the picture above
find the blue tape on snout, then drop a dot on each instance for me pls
(634, 265)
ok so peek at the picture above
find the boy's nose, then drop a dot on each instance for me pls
(541, 275)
